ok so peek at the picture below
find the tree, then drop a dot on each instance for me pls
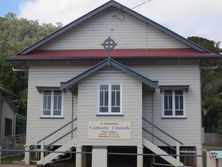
(15, 35)
(211, 82)
(211, 45)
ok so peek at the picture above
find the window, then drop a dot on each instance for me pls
(52, 103)
(104, 96)
(110, 99)
(8, 127)
(173, 103)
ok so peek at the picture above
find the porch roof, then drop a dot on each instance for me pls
(109, 62)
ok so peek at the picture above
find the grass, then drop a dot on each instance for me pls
(9, 160)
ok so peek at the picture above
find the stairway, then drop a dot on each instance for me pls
(52, 156)
(173, 161)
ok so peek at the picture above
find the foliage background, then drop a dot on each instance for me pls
(15, 35)
(211, 89)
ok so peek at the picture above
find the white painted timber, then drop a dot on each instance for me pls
(79, 157)
(9, 113)
(139, 156)
(99, 157)
(127, 32)
(50, 157)
(187, 130)
(173, 161)
(38, 128)
(131, 106)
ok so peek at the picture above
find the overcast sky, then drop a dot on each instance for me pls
(186, 17)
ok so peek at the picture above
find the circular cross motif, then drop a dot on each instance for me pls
(109, 44)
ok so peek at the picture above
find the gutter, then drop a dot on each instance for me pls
(117, 58)
(19, 69)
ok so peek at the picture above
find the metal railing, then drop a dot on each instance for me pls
(57, 130)
(167, 134)
(42, 141)
(62, 137)
(147, 131)
(178, 142)
(12, 143)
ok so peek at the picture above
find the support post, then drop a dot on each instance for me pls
(42, 152)
(79, 156)
(199, 159)
(99, 156)
(140, 156)
(27, 154)
(178, 151)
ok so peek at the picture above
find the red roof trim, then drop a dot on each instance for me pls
(117, 53)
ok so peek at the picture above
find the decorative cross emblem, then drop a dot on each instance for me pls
(109, 44)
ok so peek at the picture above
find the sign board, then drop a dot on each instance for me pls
(216, 154)
(109, 130)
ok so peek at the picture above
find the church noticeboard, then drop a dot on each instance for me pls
(109, 130)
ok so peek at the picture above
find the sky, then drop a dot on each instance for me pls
(186, 17)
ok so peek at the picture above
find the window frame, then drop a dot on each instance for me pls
(52, 104)
(109, 100)
(174, 104)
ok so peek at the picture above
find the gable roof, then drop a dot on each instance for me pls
(3, 91)
(12, 97)
(122, 8)
(109, 62)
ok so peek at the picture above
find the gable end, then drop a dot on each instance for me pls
(119, 7)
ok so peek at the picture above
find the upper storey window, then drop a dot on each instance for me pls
(110, 99)
(52, 103)
(173, 102)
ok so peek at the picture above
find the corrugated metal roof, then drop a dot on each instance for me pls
(116, 53)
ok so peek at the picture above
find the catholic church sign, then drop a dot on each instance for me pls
(109, 130)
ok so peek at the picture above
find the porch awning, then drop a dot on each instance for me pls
(184, 87)
(113, 63)
(41, 88)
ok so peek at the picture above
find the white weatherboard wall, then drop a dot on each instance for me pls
(131, 106)
(48, 76)
(7, 112)
(187, 130)
(127, 32)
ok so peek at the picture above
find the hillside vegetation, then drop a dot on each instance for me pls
(15, 35)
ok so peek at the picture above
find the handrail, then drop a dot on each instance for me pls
(159, 139)
(163, 131)
(57, 130)
(49, 145)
